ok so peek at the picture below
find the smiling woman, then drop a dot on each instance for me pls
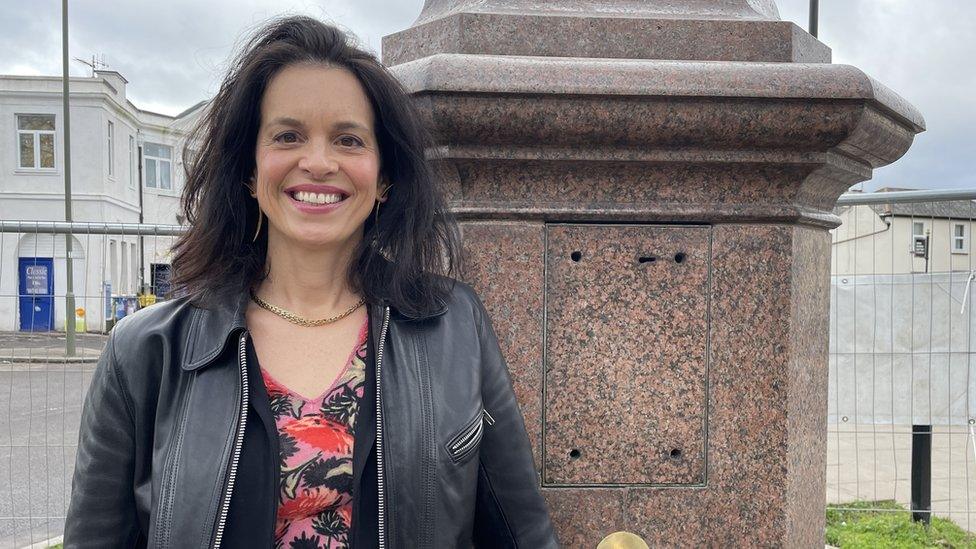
(320, 380)
(302, 106)
(317, 160)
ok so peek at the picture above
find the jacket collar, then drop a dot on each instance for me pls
(211, 328)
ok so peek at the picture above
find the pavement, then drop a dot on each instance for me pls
(874, 462)
(49, 347)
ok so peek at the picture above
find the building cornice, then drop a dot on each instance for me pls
(75, 197)
(132, 113)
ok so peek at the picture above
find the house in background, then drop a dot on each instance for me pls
(124, 161)
(891, 238)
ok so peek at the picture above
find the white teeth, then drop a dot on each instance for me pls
(317, 198)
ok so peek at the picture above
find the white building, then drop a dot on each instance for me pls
(109, 136)
(890, 238)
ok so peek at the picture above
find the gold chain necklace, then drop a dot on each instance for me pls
(292, 317)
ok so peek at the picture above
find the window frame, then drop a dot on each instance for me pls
(146, 158)
(914, 234)
(132, 161)
(36, 168)
(111, 149)
(964, 238)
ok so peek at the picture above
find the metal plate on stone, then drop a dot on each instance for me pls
(626, 330)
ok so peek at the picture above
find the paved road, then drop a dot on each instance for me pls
(40, 406)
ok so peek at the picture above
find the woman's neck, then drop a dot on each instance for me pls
(311, 283)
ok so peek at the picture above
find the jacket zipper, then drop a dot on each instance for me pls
(468, 439)
(381, 505)
(471, 435)
(236, 455)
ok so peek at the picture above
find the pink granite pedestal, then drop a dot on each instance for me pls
(645, 190)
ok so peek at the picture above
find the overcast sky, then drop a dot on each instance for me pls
(173, 54)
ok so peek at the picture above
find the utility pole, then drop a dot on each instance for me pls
(814, 16)
(69, 296)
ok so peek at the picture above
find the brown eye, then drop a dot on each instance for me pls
(287, 138)
(350, 141)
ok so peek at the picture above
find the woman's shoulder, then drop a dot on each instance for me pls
(140, 337)
(462, 296)
(465, 302)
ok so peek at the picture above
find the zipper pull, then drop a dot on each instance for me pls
(488, 418)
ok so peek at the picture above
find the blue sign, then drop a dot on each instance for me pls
(36, 289)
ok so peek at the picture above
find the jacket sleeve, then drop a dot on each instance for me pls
(510, 510)
(102, 509)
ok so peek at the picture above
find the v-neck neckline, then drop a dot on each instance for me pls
(345, 367)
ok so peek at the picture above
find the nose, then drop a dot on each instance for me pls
(318, 162)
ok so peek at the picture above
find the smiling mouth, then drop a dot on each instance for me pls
(306, 197)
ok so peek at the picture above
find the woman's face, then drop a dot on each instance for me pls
(316, 145)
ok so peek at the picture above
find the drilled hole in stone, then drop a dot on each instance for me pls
(576, 256)
(574, 453)
(679, 257)
(676, 453)
(646, 258)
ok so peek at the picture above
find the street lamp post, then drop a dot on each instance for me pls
(69, 297)
(814, 16)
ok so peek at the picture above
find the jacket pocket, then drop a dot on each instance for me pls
(463, 445)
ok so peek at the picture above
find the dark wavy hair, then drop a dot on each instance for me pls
(407, 259)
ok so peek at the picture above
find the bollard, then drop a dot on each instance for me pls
(922, 473)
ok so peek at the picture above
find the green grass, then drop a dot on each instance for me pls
(892, 527)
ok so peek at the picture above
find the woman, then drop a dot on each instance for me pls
(322, 382)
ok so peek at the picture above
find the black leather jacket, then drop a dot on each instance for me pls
(178, 447)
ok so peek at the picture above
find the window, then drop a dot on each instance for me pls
(132, 162)
(918, 231)
(959, 244)
(135, 268)
(35, 141)
(918, 243)
(111, 148)
(918, 228)
(159, 166)
(113, 273)
(124, 277)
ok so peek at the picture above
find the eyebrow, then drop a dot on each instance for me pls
(286, 121)
(343, 125)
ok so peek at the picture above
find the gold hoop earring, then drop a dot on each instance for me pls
(376, 217)
(258, 231)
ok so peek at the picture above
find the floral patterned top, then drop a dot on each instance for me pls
(316, 440)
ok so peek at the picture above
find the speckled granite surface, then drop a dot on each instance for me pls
(585, 36)
(506, 263)
(753, 469)
(684, 401)
(626, 336)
